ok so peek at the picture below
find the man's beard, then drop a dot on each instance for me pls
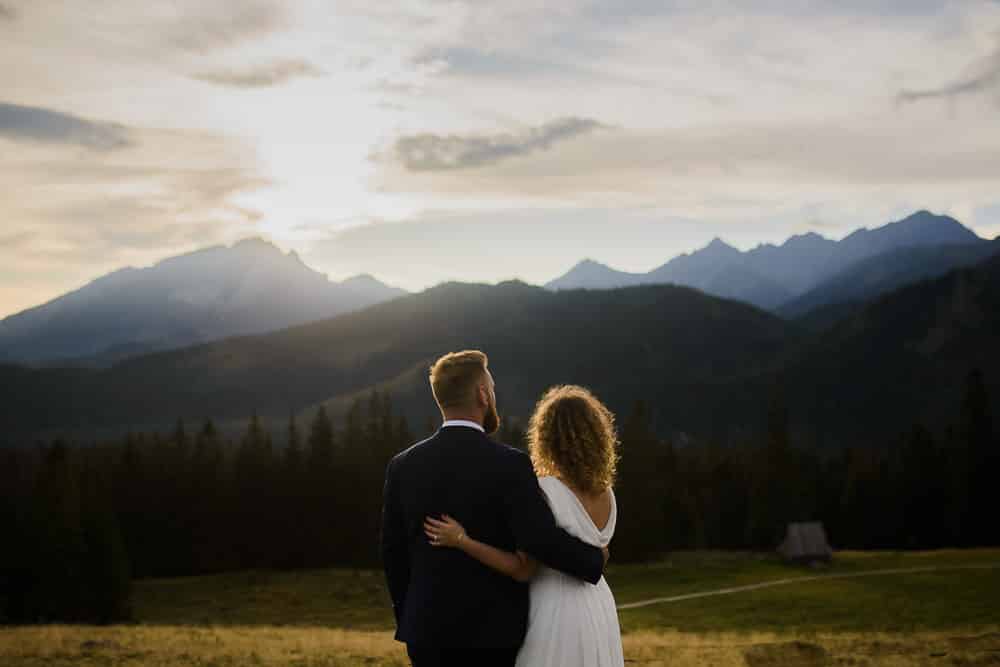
(491, 420)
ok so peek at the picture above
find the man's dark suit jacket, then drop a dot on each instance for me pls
(441, 596)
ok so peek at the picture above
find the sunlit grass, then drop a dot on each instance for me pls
(342, 617)
(158, 646)
(907, 602)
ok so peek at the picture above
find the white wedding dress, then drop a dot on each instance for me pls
(572, 623)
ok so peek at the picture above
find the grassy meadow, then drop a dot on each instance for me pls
(341, 617)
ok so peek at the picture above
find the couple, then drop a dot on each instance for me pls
(468, 536)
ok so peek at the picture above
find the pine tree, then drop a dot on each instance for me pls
(294, 501)
(324, 486)
(641, 490)
(106, 570)
(772, 495)
(206, 500)
(983, 459)
(293, 451)
(58, 544)
(179, 439)
(321, 442)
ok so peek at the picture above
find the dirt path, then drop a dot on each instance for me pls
(799, 580)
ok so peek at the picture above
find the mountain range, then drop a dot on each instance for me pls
(252, 287)
(879, 331)
(249, 287)
(807, 271)
(707, 367)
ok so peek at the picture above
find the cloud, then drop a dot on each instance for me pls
(985, 76)
(262, 76)
(634, 166)
(221, 25)
(434, 152)
(70, 215)
(22, 123)
(16, 240)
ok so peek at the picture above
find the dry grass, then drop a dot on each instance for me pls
(679, 649)
(324, 618)
(157, 646)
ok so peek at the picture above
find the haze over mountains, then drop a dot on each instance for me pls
(249, 287)
(806, 271)
(706, 366)
(893, 330)
(252, 287)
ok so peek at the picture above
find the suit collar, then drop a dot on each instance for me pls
(463, 422)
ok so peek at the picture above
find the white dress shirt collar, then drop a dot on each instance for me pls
(463, 422)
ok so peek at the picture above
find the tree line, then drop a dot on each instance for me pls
(84, 520)
(919, 491)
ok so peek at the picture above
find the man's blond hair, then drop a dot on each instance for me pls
(455, 376)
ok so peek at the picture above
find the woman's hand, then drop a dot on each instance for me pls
(444, 532)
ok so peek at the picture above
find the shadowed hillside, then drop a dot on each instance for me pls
(871, 277)
(669, 344)
(706, 366)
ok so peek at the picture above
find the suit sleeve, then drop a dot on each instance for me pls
(395, 555)
(536, 532)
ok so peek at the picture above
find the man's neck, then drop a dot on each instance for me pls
(467, 417)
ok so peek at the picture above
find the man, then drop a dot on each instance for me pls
(450, 609)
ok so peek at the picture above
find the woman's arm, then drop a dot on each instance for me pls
(447, 532)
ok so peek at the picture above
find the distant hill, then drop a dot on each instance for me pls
(250, 287)
(901, 358)
(715, 269)
(589, 274)
(708, 367)
(868, 278)
(774, 276)
(669, 344)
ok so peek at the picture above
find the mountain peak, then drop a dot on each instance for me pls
(255, 244)
(719, 247)
(804, 241)
(248, 288)
(923, 228)
(591, 273)
(925, 218)
(922, 214)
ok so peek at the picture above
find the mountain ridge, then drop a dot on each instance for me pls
(706, 366)
(207, 294)
(771, 275)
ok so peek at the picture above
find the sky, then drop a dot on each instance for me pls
(430, 140)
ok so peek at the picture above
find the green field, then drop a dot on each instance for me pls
(342, 617)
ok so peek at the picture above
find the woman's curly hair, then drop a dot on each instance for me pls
(572, 435)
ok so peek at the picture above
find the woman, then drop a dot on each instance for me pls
(573, 446)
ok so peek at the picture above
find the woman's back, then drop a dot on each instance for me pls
(572, 622)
